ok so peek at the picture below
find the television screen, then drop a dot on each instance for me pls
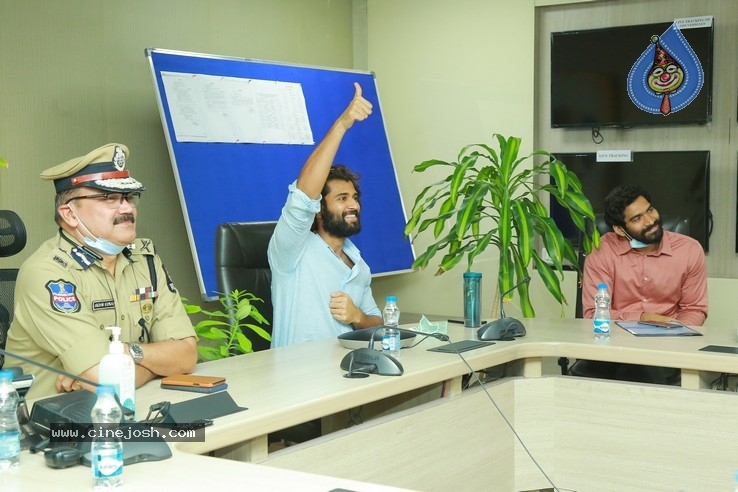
(678, 181)
(592, 85)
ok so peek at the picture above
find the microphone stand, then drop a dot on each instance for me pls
(504, 328)
(371, 361)
(364, 361)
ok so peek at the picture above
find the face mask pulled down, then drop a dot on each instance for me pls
(98, 243)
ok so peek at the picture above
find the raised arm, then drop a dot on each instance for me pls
(315, 171)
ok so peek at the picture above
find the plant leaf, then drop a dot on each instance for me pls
(208, 353)
(559, 175)
(212, 334)
(260, 331)
(244, 344)
(524, 229)
(469, 209)
(428, 164)
(524, 289)
(550, 280)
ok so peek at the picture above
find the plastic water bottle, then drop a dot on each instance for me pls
(391, 333)
(107, 451)
(9, 428)
(602, 313)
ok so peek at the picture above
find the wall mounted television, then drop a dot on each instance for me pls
(589, 76)
(678, 181)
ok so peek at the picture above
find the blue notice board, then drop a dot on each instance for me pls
(246, 182)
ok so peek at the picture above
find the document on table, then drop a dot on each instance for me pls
(644, 330)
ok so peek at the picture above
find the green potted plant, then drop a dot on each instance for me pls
(489, 198)
(224, 329)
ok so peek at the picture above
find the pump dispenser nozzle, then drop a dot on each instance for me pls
(116, 346)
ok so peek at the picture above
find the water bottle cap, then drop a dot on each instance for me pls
(6, 375)
(602, 286)
(472, 275)
(391, 298)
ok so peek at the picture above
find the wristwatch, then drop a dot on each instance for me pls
(136, 352)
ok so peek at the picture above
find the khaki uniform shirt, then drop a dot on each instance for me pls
(64, 299)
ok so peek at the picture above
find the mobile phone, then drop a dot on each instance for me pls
(662, 324)
(196, 389)
(192, 381)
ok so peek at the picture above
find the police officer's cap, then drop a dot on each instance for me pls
(103, 168)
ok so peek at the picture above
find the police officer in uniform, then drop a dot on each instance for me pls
(96, 273)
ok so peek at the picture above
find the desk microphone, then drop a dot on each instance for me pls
(361, 362)
(367, 360)
(65, 407)
(504, 328)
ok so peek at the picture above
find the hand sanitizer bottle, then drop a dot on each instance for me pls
(118, 370)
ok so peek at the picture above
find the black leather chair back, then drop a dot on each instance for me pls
(673, 223)
(241, 263)
(12, 233)
(7, 300)
(12, 241)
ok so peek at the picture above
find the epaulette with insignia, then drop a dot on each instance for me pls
(82, 257)
(142, 246)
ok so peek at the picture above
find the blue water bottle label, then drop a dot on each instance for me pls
(385, 341)
(394, 342)
(9, 445)
(108, 463)
(601, 326)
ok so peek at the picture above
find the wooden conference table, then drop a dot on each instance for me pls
(290, 385)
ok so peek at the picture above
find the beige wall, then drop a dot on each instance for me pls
(74, 76)
(449, 74)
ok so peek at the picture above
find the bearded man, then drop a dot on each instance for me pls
(321, 287)
(651, 274)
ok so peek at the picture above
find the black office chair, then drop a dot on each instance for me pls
(608, 370)
(12, 241)
(241, 263)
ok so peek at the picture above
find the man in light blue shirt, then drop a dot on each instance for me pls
(321, 287)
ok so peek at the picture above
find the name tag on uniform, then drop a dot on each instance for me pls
(103, 304)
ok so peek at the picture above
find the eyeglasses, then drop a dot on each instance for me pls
(112, 200)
